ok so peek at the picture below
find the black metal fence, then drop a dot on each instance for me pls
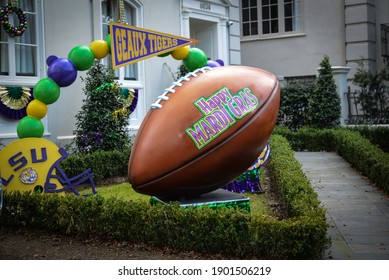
(368, 107)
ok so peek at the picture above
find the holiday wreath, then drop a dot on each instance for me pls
(8, 9)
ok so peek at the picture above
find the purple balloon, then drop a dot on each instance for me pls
(221, 62)
(213, 64)
(51, 59)
(62, 71)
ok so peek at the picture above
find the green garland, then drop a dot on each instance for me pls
(4, 19)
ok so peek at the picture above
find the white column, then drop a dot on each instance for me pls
(185, 28)
(340, 77)
(224, 41)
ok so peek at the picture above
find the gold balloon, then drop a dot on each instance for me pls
(36, 109)
(99, 48)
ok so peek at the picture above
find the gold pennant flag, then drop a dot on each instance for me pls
(130, 44)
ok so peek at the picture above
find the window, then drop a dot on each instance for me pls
(110, 11)
(264, 18)
(301, 80)
(292, 15)
(19, 56)
(269, 16)
(250, 17)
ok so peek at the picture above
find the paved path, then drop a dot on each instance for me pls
(357, 212)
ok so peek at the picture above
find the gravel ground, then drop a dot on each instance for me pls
(23, 244)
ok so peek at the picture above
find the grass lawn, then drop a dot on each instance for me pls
(259, 203)
(122, 191)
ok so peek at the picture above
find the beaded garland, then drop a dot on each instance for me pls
(4, 19)
(249, 181)
(129, 95)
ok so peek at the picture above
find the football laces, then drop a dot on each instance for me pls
(178, 83)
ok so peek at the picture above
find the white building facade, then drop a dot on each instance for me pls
(290, 37)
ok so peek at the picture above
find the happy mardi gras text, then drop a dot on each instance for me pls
(221, 111)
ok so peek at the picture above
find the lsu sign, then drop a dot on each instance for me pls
(33, 165)
(130, 44)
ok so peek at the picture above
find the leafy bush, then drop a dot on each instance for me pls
(372, 93)
(307, 138)
(368, 81)
(97, 127)
(316, 104)
(104, 164)
(294, 105)
(377, 135)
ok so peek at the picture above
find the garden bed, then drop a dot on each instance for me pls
(229, 232)
(27, 243)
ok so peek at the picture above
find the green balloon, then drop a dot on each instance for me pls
(196, 58)
(82, 57)
(108, 40)
(46, 91)
(30, 127)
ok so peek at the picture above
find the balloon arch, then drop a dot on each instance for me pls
(62, 72)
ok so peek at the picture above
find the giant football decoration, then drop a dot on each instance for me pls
(204, 130)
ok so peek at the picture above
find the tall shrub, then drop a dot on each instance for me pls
(97, 127)
(325, 101)
(368, 81)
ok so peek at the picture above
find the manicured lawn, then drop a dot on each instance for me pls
(122, 191)
(259, 203)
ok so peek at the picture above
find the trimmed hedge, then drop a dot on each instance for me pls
(227, 231)
(104, 164)
(378, 135)
(205, 230)
(293, 185)
(370, 160)
(307, 138)
(366, 157)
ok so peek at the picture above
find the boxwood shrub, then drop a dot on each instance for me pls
(362, 154)
(104, 164)
(377, 135)
(227, 231)
(307, 138)
(367, 158)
